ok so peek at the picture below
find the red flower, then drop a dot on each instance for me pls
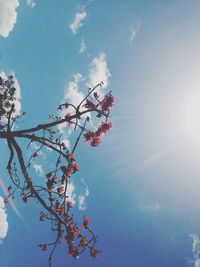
(96, 95)
(25, 199)
(88, 136)
(9, 188)
(70, 156)
(86, 221)
(69, 203)
(42, 216)
(73, 251)
(75, 166)
(68, 219)
(74, 231)
(51, 199)
(66, 106)
(35, 155)
(68, 116)
(94, 253)
(95, 141)
(83, 242)
(43, 246)
(61, 189)
(51, 189)
(89, 104)
(48, 175)
(59, 209)
(64, 178)
(104, 127)
(107, 102)
(68, 171)
(6, 201)
(54, 177)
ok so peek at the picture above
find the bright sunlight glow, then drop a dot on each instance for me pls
(190, 117)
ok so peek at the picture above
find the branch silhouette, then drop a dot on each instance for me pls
(52, 194)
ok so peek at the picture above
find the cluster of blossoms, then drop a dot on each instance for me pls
(57, 189)
(84, 242)
(76, 241)
(103, 106)
(56, 184)
(103, 109)
(107, 103)
(94, 138)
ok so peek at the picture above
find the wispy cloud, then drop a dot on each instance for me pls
(3, 220)
(70, 193)
(38, 169)
(72, 95)
(78, 21)
(133, 31)
(196, 250)
(8, 16)
(82, 198)
(99, 71)
(156, 207)
(31, 3)
(82, 47)
(79, 198)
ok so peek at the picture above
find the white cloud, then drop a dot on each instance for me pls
(78, 21)
(31, 3)
(70, 193)
(3, 220)
(82, 47)
(197, 262)
(196, 250)
(82, 198)
(195, 246)
(99, 71)
(72, 95)
(81, 203)
(38, 169)
(8, 16)
(152, 207)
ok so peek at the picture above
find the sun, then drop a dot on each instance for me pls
(189, 117)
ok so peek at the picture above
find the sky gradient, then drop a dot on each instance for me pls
(141, 185)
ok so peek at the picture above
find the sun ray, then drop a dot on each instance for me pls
(12, 203)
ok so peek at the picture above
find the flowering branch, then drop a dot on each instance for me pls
(52, 193)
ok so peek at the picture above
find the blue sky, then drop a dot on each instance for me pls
(143, 180)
